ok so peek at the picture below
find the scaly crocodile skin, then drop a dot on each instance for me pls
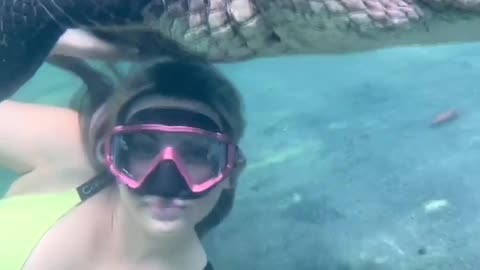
(30, 28)
(228, 30)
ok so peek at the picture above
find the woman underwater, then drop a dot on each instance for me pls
(162, 158)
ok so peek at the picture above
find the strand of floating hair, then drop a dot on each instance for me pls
(94, 121)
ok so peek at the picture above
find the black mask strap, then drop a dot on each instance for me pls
(173, 117)
(93, 186)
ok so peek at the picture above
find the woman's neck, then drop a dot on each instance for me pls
(133, 244)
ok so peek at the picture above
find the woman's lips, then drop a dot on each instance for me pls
(166, 209)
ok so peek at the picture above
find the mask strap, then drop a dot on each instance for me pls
(240, 164)
(93, 186)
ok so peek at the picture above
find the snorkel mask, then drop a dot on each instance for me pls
(173, 153)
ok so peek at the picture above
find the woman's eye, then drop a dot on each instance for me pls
(142, 146)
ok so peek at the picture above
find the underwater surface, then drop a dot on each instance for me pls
(345, 170)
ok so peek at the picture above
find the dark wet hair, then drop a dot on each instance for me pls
(102, 100)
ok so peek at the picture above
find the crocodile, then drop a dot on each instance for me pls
(226, 30)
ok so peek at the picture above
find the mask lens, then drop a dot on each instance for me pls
(199, 158)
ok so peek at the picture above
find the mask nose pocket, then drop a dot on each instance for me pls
(166, 181)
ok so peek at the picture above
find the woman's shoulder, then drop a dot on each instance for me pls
(18, 107)
(43, 144)
(39, 117)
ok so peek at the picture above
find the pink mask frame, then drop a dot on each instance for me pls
(235, 159)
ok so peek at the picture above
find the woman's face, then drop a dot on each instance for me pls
(163, 214)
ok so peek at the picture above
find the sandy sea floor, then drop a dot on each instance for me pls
(345, 171)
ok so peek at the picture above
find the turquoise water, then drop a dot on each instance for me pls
(343, 161)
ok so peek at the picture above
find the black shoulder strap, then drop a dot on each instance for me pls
(93, 186)
(209, 266)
